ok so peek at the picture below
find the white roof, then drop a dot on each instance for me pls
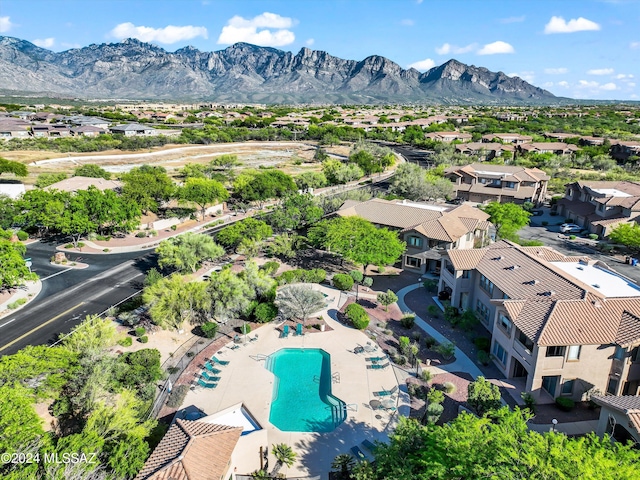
(424, 206)
(11, 190)
(604, 281)
(235, 416)
(489, 172)
(611, 192)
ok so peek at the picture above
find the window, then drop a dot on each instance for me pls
(510, 184)
(415, 241)
(620, 353)
(601, 208)
(466, 273)
(483, 311)
(449, 267)
(567, 387)
(486, 284)
(612, 386)
(500, 353)
(524, 341)
(635, 354)
(413, 262)
(556, 351)
(574, 353)
(505, 323)
(550, 384)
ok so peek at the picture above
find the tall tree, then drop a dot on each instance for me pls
(255, 186)
(626, 234)
(186, 252)
(168, 302)
(249, 228)
(483, 396)
(91, 170)
(299, 301)
(284, 456)
(508, 218)
(295, 211)
(148, 186)
(17, 168)
(230, 295)
(13, 272)
(203, 193)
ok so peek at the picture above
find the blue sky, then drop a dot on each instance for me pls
(574, 48)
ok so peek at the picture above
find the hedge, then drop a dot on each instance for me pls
(343, 282)
(357, 316)
(316, 275)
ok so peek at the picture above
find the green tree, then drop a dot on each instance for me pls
(412, 182)
(294, 212)
(230, 295)
(17, 168)
(284, 456)
(169, 305)
(92, 334)
(14, 271)
(358, 240)
(224, 162)
(342, 465)
(308, 180)
(483, 396)
(627, 234)
(19, 422)
(46, 179)
(387, 298)
(249, 228)
(255, 186)
(186, 252)
(299, 301)
(343, 282)
(91, 170)
(338, 173)
(508, 218)
(148, 187)
(203, 193)
(286, 245)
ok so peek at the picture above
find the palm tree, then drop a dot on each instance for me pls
(343, 464)
(284, 455)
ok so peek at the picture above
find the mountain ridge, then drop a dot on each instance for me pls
(132, 69)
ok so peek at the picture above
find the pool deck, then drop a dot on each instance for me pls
(246, 380)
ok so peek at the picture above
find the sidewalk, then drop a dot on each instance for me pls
(571, 428)
(30, 291)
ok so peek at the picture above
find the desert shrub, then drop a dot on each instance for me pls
(209, 329)
(416, 336)
(430, 285)
(433, 310)
(449, 387)
(270, 267)
(174, 227)
(435, 396)
(433, 413)
(592, 236)
(131, 304)
(413, 389)
(17, 303)
(565, 404)
(265, 312)
(426, 375)
(343, 281)
(316, 275)
(126, 342)
(69, 245)
(483, 343)
(399, 359)
(106, 250)
(245, 329)
(468, 320)
(404, 344)
(172, 370)
(143, 339)
(529, 401)
(381, 269)
(177, 396)
(572, 237)
(429, 341)
(22, 235)
(141, 234)
(408, 320)
(357, 316)
(447, 350)
(139, 331)
(451, 315)
(483, 357)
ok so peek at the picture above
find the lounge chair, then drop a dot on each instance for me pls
(299, 329)
(211, 368)
(204, 384)
(358, 349)
(210, 378)
(369, 445)
(386, 393)
(359, 454)
(375, 359)
(222, 363)
(378, 366)
(254, 338)
(285, 332)
(233, 347)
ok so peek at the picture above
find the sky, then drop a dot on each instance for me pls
(587, 49)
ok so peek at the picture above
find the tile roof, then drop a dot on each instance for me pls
(627, 404)
(74, 184)
(526, 174)
(389, 213)
(192, 450)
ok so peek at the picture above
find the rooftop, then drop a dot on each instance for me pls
(611, 192)
(605, 281)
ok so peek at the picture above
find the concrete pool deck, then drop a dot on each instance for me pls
(247, 380)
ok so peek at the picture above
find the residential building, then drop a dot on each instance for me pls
(559, 325)
(134, 129)
(514, 138)
(619, 417)
(483, 183)
(428, 229)
(600, 206)
(449, 136)
(557, 148)
(10, 129)
(73, 184)
(87, 131)
(485, 151)
(624, 150)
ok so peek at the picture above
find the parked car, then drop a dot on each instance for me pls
(570, 228)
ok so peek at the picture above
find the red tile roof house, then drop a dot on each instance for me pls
(623, 150)
(482, 183)
(600, 206)
(486, 151)
(449, 136)
(428, 229)
(514, 138)
(619, 417)
(560, 325)
(557, 148)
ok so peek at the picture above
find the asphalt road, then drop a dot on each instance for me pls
(68, 295)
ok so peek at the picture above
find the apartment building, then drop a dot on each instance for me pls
(428, 229)
(559, 325)
(482, 183)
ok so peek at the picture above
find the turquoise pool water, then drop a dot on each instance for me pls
(302, 399)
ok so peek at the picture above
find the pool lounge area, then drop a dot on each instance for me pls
(345, 379)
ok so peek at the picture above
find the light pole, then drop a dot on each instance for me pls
(554, 423)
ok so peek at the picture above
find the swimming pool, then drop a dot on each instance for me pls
(302, 398)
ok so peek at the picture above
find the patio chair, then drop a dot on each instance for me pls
(233, 347)
(378, 366)
(211, 368)
(299, 329)
(285, 332)
(204, 384)
(254, 338)
(358, 349)
(209, 377)
(386, 393)
(222, 363)
(359, 454)
(369, 445)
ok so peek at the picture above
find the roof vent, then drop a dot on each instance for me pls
(597, 303)
(596, 285)
(580, 268)
(499, 257)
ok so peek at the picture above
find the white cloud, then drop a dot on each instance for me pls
(169, 34)
(609, 86)
(588, 84)
(563, 83)
(512, 19)
(631, 84)
(495, 48)
(419, 1)
(44, 42)
(594, 86)
(556, 71)
(623, 76)
(560, 25)
(5, 24)
(547, 84)
(423, 65)
(407, 22)
(275, 31)
(600, 71)
(310, 41)
(631, 45)
(447, 48)
(527, 76)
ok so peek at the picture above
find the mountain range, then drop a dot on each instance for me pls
(242, 72)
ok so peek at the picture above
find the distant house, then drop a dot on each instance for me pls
(557, 148)
(623, 150)
(449, 136)
(74, 184)
(87, 131)
(560, 136)
(428, 229)
(487, 151)
(514, 138)
(9, 129)
(134, 129)
(48, 130)
(498, 183)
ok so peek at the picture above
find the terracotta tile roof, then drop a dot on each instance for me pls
(546, 253)
(532, 317)
(192, 450)
(466, 259)
(526, 174)
(629, 329)
(390, 213)
(627, 404)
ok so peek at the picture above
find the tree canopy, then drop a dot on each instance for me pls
(411, 181)
(148, 186)
(91, 170)
(247, 229)
(14, 272)
(508, 218)
(203, 192)
(17, 168)
(256, 186)
(186, 252)
(626, 234)
(299, 301)
(295, 211)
